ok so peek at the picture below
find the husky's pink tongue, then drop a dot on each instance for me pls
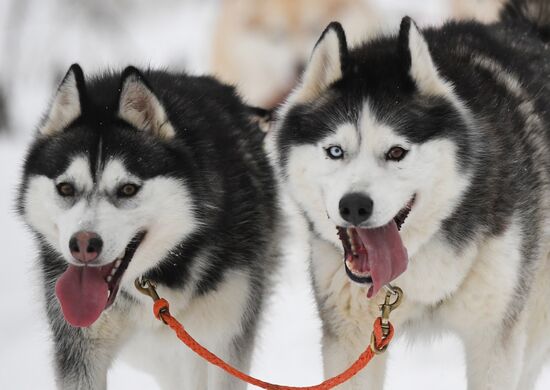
(83, 294)
(387, 257)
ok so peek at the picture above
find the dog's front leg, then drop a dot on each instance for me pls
(81, 362)
(83, 356)
(338, 355)
(494, 360)
(237, 357)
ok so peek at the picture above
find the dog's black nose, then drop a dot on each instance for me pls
(85, 246)
(355, 208)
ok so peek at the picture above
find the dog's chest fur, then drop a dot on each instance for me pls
(441, 288)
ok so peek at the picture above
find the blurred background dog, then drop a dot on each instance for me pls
(260, 46)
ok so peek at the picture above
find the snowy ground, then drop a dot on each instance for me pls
(288, 350)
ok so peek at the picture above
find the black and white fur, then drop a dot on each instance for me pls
(206, 200)
(469, 103)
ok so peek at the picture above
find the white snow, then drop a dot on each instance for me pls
(288, 350)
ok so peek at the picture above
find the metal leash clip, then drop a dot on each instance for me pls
(385, 310)
(146, 287)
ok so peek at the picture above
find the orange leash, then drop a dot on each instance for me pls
(381, 336)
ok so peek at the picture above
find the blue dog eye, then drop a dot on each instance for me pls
(335, 152)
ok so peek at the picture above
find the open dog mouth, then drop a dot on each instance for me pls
(84, 292)
(375, 256)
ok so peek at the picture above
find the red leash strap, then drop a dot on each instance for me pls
(381, 337)
(161, 311)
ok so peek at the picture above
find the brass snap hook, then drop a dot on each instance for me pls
(388, 306)
(394, 296)
(146, 287)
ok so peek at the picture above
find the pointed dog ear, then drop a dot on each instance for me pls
(67, 103)
(139, 106)
(418, 61)
(325, 65)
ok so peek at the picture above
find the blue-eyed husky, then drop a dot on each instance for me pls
(155, 174)
(423, 159)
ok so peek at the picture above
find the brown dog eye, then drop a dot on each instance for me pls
(65, 189)
(396, 154)
(127, 190)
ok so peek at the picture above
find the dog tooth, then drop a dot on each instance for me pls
(113, 271)
(353, 247)
(109, 278)
(118, 263)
